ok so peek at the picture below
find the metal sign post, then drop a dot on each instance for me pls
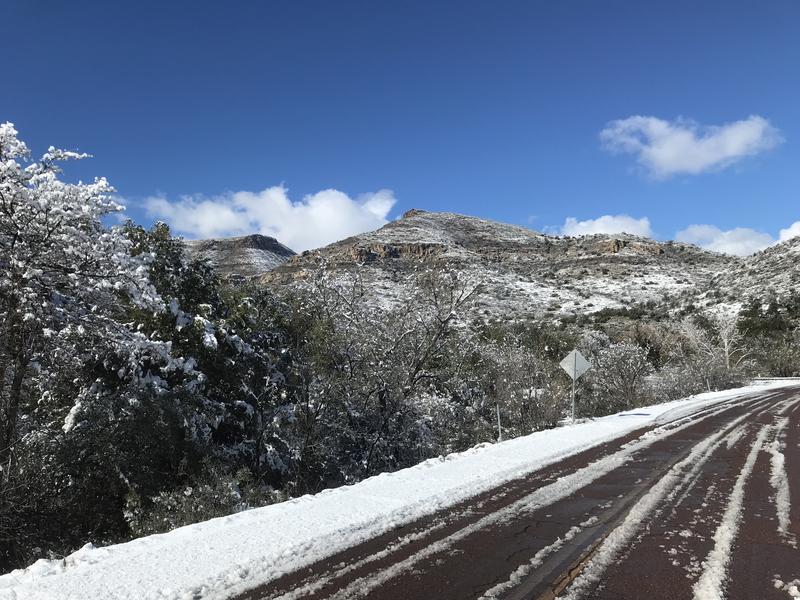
(574, 378)
(575, 364)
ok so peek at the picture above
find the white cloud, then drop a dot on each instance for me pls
(790, 232)
(667, 148)
(316, 220)
(607, 224)
(740, 240)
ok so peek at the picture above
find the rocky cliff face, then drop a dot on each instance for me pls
(377, 251)
(524, 273)
(245, 256)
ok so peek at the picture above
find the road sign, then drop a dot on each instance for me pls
(575, 364)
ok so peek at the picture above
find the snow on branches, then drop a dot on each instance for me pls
(64, 275)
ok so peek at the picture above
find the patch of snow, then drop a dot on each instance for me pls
(780, 481)
(792, 588)
(71, 419)
(735, 439)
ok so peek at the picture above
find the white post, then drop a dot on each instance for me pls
(499, 428)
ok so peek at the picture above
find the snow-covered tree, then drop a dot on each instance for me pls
(717, 337)
(617, 377)
(524, 384)
(359, 374)
(64, 273)
(711, 348)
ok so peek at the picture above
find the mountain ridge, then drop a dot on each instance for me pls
(526, 273)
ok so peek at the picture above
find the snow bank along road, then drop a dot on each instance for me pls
(691, 499)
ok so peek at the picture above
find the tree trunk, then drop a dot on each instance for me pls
(15, 362)
(3, 410)
(12, 410)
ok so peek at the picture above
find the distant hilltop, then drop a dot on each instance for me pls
(244, 256)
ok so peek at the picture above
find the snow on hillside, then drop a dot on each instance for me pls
(451, 229)
(244, 256)
(526, 274)
(223, 556)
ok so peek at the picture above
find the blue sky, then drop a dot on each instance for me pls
(224, 117)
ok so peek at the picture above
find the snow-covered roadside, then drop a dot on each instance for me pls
(218, 558)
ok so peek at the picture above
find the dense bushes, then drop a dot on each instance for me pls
(771, 328)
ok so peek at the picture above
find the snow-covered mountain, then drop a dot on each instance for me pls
(244, 256)
(525, 273)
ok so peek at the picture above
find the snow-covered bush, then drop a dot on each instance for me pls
(215, 494)
(122, 367)
(673, 382)
(617, 380)
(524, 385)
(771, 329)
